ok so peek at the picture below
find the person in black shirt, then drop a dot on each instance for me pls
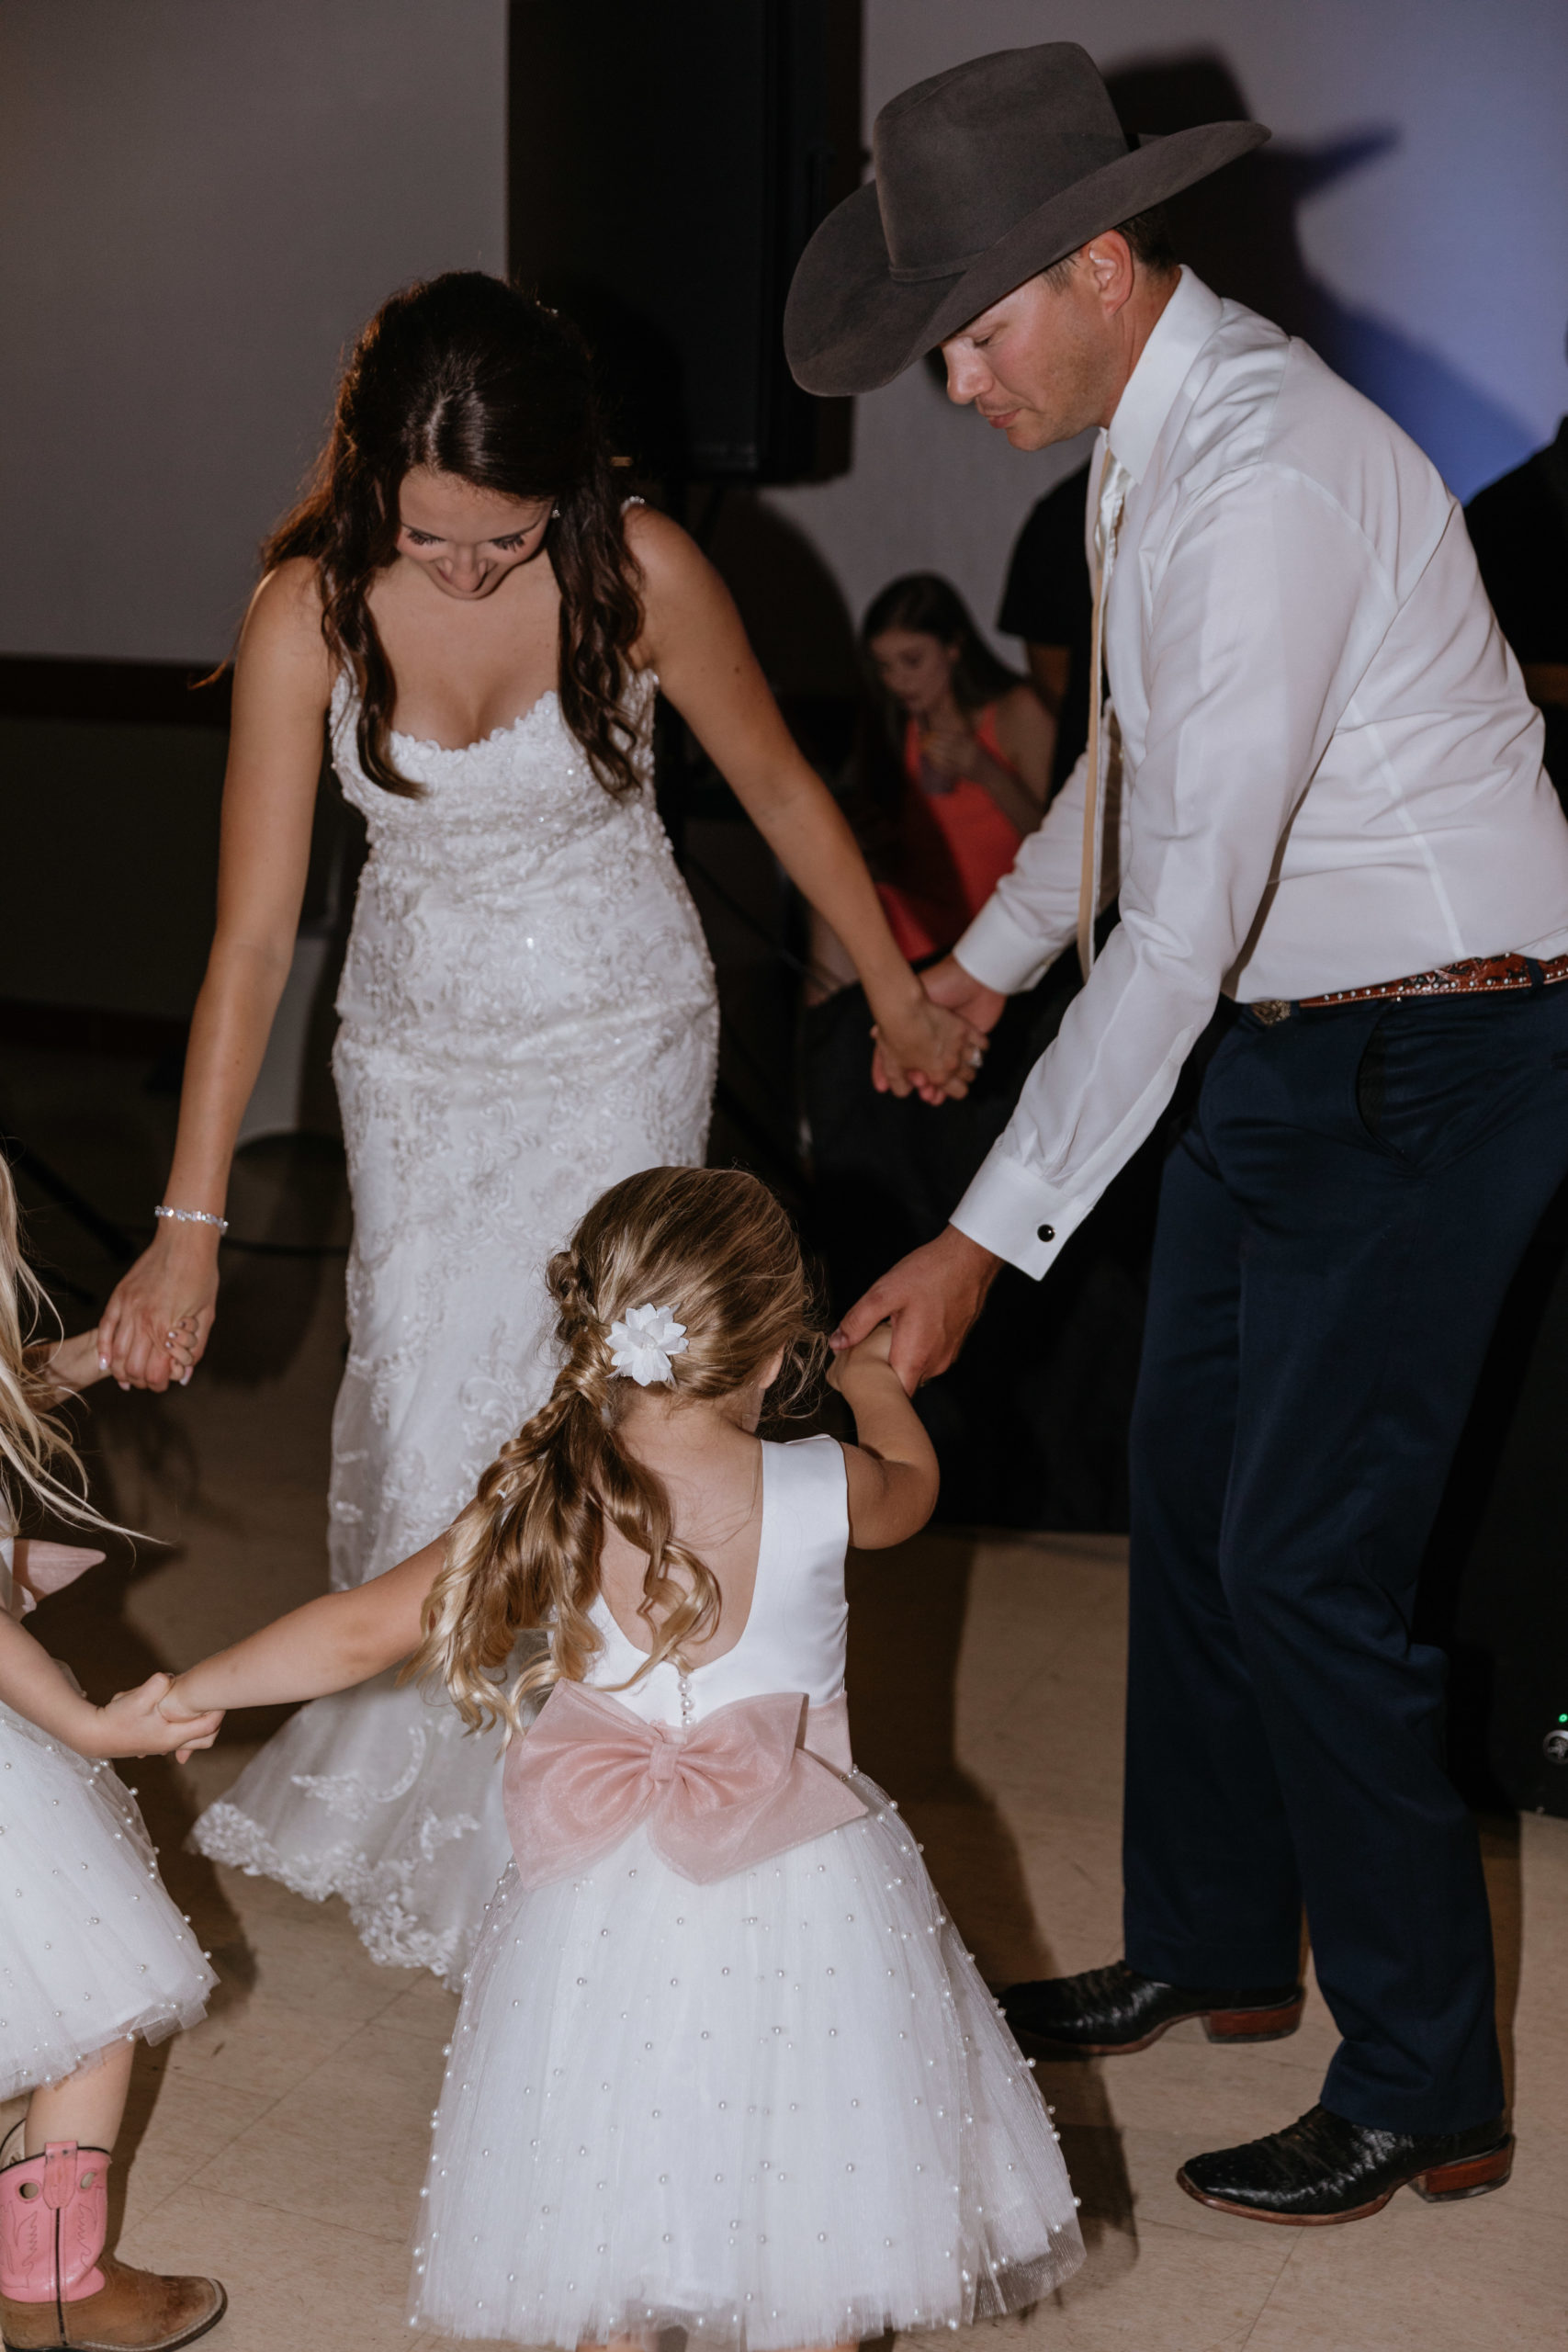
(1046, 602)
(1519, 526)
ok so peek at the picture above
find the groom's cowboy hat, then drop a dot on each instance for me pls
(983, 176)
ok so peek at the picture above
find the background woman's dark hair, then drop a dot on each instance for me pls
(924, 601)
(472, 378)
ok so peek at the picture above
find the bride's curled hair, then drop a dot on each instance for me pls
(471, 377)
(713, 1246)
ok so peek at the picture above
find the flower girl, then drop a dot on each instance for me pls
(722, 2061)
(92, 1954)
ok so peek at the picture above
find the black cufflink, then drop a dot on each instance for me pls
(1046, 1232)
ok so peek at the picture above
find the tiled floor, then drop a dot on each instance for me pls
(281, 2145)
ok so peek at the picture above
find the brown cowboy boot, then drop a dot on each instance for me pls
(60, 2292)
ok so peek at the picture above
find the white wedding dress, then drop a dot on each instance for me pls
(527, 1015)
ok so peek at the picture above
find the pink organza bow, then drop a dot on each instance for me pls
(37, 1569)
(716, 1798)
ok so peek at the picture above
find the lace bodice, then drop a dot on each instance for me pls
(493, 896)
(533, 773)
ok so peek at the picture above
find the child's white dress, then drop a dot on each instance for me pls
(92, 1950)
(777, 2109)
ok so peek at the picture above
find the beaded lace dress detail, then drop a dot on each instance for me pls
(527, 1015)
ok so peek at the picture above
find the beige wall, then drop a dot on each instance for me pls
(200, 201)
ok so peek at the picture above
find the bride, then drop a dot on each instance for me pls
(527, 1008)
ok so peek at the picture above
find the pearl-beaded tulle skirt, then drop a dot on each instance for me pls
(92, 1950)
(778, 2110)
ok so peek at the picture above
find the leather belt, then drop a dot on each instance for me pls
(1477, 976)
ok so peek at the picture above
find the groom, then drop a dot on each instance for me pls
(1315, 781)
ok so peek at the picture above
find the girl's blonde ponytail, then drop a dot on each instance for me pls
(34, 1449)
(715, 1246)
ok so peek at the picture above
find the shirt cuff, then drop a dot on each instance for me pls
(1011, 1212)
(1000, 954)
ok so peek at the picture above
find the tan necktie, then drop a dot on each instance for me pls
(1114, 480)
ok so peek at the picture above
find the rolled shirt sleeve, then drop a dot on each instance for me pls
(1266, 609)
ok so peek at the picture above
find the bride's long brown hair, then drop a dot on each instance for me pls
(713, 1246)
(471, 377)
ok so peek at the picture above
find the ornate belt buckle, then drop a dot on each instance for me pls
(1270, 1009)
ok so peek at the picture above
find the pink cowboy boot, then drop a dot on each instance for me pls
(59, 2290)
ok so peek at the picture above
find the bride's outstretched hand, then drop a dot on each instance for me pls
(961, 1012)
(153, 1331)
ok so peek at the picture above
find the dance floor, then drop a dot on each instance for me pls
(281, 2145)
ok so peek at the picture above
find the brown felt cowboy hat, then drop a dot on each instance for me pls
(983, 176)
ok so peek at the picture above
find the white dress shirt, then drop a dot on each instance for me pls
(1331, 774)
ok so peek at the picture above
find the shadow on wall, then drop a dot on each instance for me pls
(794, 609)
(1239, 232)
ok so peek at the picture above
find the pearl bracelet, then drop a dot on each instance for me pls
(194, 1216)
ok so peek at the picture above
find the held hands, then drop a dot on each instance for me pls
(155, 1326)
(949, 991)
(876, 1347)
(926, 1303)
(924, 1050)
(142, 1722)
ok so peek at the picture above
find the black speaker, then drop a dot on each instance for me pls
(667, 165)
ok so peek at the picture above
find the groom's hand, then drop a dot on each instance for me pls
(931, 1298)
(948, 983)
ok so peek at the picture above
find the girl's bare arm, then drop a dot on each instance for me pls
(34, 1686)
(68, 1365)
(892, 1472)
(282, 686)
(329, 1645)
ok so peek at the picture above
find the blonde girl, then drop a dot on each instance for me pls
(93, 1955)
(722, 2061)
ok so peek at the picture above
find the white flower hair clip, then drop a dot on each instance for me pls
(642, 1346)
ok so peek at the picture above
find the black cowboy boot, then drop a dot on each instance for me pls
(1324, 2170)
(1109, 2009)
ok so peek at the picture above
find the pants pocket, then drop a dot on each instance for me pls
(1371, 1080)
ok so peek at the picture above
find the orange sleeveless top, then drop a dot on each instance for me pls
(957, 846)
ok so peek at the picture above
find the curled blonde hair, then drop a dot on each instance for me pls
(715, 1247)
(34, 1449)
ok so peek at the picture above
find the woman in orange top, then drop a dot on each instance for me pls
(974, 743)
(950, 774)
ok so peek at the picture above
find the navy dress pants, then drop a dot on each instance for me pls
(1338, 1226)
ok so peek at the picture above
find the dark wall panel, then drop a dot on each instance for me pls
(667, 166)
